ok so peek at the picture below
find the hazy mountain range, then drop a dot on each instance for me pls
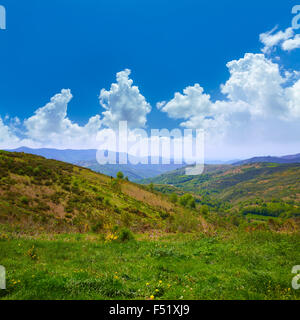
(285, 159)
(87, 158)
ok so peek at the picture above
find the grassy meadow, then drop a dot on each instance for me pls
(254, 265)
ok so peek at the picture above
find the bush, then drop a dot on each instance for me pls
(120, 175)
(98, 226)
(188, 201)
(125, 235)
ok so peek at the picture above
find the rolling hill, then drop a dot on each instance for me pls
(55, 196)
(239, 186)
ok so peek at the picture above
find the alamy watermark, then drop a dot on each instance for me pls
(296, 279)
(2, 278)
(296, 19)
(182, 147)
(2, 18)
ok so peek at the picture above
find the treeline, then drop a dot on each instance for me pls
(274, 209)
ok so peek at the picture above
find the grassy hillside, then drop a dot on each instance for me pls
(37, 194)
(255, 185)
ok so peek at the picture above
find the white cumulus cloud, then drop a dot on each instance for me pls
(259, 108)
(124, 102)
(50, 126)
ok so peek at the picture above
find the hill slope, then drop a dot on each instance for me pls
(234, 185)
(61, 197)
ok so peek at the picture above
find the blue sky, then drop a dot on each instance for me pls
(168, 45)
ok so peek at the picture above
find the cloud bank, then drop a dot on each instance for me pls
(50, 126)
(260, 110)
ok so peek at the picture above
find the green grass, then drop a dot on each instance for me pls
(236, 265)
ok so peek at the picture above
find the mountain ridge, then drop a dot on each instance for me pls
(295, 158)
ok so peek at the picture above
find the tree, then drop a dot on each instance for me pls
(151, 187)
(187, 200)
(120, 175)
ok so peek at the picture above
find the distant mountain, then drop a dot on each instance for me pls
(71, 156)
(221, 161)
(285, 159)
(133, 172)
(87, 159)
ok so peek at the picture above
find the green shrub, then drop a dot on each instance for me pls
(125, 235)
(98, 226)
(120, 175)
(187, 200)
